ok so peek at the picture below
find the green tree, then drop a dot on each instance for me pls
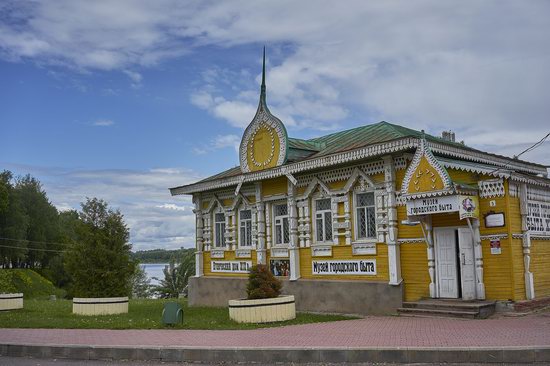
(14, 223)
(141, 284)
(43, 229)
(99, 261)
(176, 276)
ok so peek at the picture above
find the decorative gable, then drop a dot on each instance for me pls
(265, 142)
(425, 175)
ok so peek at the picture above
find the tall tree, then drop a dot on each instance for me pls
(43, 228)
(14, 223)
(99, 261)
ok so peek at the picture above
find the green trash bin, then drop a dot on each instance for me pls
(172, 313)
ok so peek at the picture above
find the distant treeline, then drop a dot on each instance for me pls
(160, 255)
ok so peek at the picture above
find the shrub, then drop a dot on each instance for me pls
(262, 284)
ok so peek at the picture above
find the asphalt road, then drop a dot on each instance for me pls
(22, 361)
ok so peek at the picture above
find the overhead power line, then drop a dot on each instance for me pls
(530, 148)
(35, 249)
(35, 241)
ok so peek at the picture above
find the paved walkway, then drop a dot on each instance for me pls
(371, 332)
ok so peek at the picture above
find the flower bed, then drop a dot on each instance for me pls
(263, 310)
(11, 301)
(100, 305)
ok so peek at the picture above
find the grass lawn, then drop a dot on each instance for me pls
(143, 314)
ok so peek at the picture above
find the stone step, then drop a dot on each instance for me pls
(466, 314)
(440, 307)
(449, 305)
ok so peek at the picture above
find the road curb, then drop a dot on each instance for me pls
(265, 355)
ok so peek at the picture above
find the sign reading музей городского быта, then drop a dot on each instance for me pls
(466, 205)
(344, 267)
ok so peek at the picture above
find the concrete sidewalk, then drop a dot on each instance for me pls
(373, 339)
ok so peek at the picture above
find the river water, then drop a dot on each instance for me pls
(153, 270)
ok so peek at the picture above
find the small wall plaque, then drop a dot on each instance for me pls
(495, 219)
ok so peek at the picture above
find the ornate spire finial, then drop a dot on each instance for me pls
(262, 90)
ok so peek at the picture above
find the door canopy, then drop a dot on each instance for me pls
(426, 177)
(264, 142)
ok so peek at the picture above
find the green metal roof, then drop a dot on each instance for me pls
(368, 135)
(300, 149)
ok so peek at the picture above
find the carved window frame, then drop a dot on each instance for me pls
(313, 225)
(240, 222)
(274, 223)
(356, 238)
(217, 227)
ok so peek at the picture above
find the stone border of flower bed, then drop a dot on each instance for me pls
(100, 305)
(263, 310)
(11, 301)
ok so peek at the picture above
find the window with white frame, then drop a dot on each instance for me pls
(245, 224)
(365, 216)
(219, 230)
(323, 220)
(280, 222)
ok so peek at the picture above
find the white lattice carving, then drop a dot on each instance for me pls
(400, 162)
(538, 194)
(491, 188)
(340, 174)
(513, 189)
(399, 199)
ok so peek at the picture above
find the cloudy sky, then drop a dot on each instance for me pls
(124, 99)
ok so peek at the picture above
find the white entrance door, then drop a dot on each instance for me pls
(445, 245)
(467, 263)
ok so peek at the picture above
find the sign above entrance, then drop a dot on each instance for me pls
(427, 206)
(467, 206)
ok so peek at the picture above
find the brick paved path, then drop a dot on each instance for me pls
(362, 333)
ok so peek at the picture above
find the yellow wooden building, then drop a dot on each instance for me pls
(363, 220)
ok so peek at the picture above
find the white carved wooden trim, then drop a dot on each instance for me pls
(491, 188)
(411, 241)
(494, 236)
(279, 252)
(363, 249)
(217, 253)
(321, 250)
(243, 253)
(513, 189)
(359, 154)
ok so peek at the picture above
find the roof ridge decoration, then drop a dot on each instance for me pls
(265, 141)
(426, 175)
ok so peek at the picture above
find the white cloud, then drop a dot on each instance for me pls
(219, 142)
(155, 218)
(427, 64)
(103, 123)
(172, 206)
(136, 78)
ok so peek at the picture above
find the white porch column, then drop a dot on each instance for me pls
(260, 208)
(427, 221)
(199, 263)
(293, 248)
(528, 275)
(478, 253)
(394, 255)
